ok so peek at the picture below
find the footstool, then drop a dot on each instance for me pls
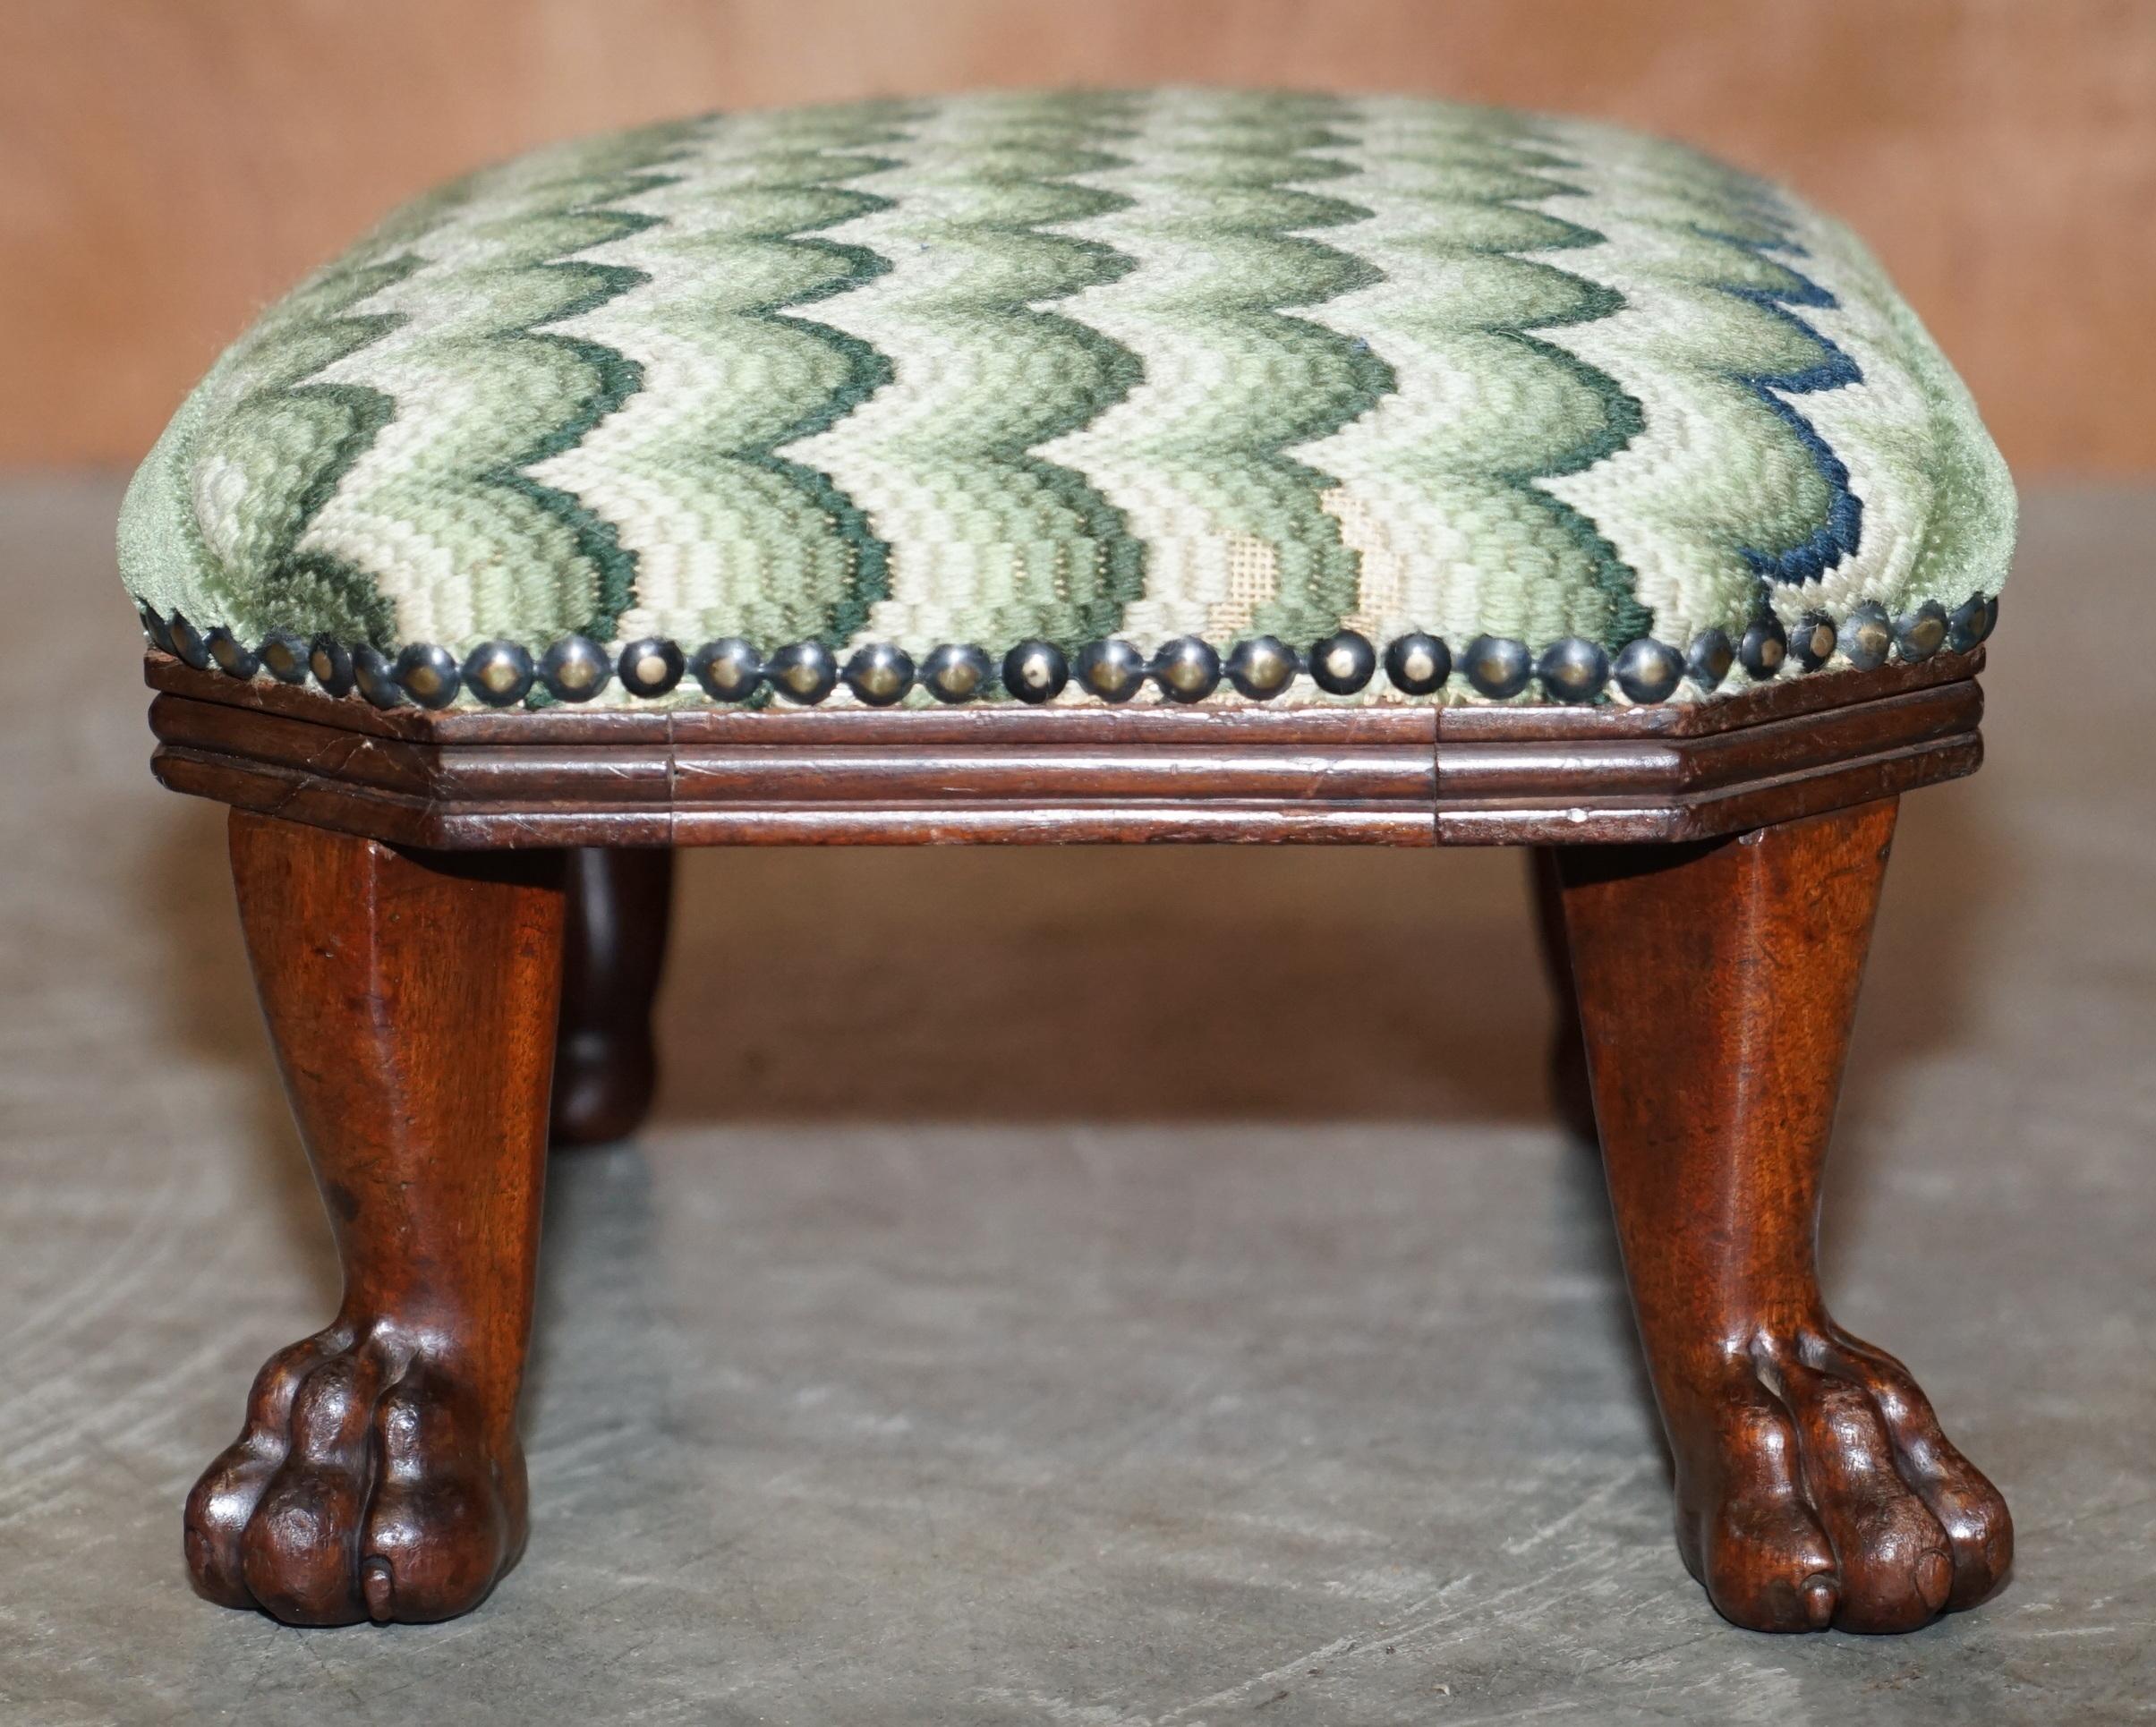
(1167, 465)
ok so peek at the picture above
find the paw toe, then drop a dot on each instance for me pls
(437, 1534)
(217, 1514)
(297, 1550)
(1765, 1561)
(1895, 1569)
(1980, 1534)
(1770, 1568)
(223, 1501)
(1969, 1509)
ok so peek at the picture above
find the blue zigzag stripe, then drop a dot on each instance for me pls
(1840, 535)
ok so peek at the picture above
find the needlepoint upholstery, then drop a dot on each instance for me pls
(1091, 369)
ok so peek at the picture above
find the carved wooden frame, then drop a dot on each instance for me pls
(1373, 775)
(455, 915)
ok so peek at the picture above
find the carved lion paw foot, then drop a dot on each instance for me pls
(363, 1486)
(1821, 1491)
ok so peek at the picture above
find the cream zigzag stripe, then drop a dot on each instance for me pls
(1192, 561)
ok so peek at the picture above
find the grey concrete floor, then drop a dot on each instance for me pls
(1100, 1288)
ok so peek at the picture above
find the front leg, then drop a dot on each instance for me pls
(1716, 985)
(411, 999)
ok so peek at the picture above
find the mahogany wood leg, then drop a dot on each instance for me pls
(605, 1065)
(1570, 1092)
(1717, 985)
(411, 998)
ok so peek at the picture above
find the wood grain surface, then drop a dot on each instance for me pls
(172, 166)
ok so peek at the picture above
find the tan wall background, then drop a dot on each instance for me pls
(167, 166)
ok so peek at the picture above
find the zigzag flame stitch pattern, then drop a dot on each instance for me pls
(1225, 396)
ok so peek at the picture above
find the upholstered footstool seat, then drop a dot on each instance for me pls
(1172, 465)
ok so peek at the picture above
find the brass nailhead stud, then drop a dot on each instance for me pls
(1186, 668)
(1765, 646)
(650, 666)
(1572, 670)
(1813, 643)
(880, 674)
(1035, 671)
(1262, 666)
(956, 672)
(1418, 664)
(1708, 660)
(1342, 664)
(285, 656)
(804, 671)
(331, 664)
(1867, 637)
(1922, 632)
(1112, 671)
(233, 657)
(429, 675)
(575, 668)
(1498, 666)
(730, 669)
(1648, 671)
(499, 673)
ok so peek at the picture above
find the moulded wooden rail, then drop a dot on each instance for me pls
(1384, 776)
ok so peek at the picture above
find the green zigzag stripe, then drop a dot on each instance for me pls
(1200, 456)
(1074, 137)
(733, 257)
(552, 564)
(1760, 488)
(990, 536)
(264, 417)
(337, 421)
(615, 378)
(1487, 410)
(864, 372)
(1538, 161)
(1032, 163)
(1318, 572)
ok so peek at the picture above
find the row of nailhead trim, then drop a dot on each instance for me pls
(575, 668)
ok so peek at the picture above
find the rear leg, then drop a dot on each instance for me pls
(1570, 1092)
(606, 1066)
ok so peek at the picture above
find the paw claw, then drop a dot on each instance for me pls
(1822, 1594)
(379, 1586)
(1934, 1579)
